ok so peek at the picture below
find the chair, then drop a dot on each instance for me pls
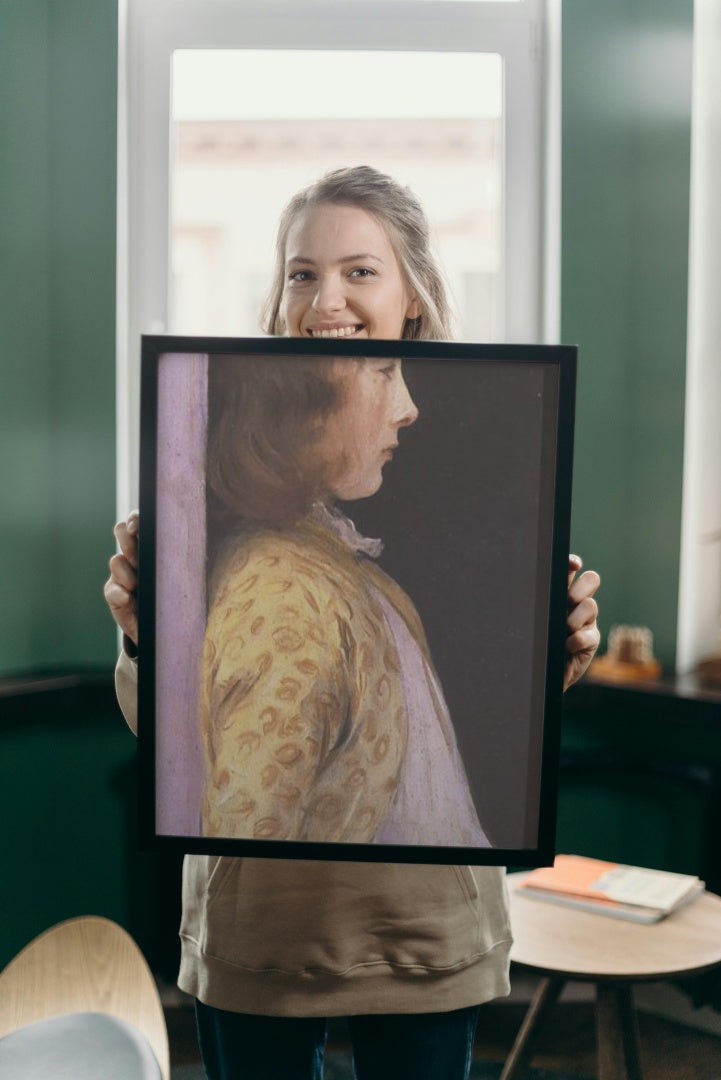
(80, 1001)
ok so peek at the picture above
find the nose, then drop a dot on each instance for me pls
(329, 297)
(406, 408)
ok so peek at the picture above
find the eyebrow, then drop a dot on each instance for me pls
(363, 255)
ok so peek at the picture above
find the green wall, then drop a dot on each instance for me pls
(69, 805)
(626, 126)
(58, 71)
(626, 132)
(626, 145)
(67, 771)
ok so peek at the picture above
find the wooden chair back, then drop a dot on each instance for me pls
(87, 964)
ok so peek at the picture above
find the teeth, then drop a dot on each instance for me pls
(336, 332)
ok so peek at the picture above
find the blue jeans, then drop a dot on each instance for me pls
(414, 1046)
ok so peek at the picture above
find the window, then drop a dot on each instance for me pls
(228, 105)
(236, 161)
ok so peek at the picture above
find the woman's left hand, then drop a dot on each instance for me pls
(583, 636)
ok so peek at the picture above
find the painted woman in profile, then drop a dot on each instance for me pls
(322, 716)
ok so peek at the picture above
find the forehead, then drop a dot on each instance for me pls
(331, 231)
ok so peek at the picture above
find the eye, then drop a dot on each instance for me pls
(389, 370)
(300, 276)
(362, 272)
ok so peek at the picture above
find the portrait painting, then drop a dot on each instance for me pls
(352, 596)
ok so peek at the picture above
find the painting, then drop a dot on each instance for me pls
(352, 597)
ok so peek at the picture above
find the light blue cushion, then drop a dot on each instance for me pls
(78, 1046)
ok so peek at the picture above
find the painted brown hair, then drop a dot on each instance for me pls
(266, 415)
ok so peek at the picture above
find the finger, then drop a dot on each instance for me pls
(123, 573)
(585, 585)
(126, 534)
(122, 607)
(582, 614)
(584, 641)
(575, 562)
(118, 598)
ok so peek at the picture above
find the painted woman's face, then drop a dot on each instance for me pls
(363, 433)
(342, 277)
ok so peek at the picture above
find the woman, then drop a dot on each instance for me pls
(271, 948)
(329, 723)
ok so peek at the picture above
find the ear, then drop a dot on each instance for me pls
(415, 309)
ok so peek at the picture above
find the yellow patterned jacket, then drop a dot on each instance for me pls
(302, 710)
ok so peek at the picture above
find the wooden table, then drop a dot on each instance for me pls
(563, 944)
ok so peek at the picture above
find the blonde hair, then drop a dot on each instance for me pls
(403, 217)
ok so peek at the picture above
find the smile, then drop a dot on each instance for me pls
(335, 331)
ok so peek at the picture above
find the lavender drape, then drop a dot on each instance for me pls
(180, 590)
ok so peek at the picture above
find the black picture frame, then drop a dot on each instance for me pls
(474, 512)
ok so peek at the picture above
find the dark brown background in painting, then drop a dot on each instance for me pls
(465, 512)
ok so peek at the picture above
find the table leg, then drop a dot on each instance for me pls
(617, 1033)
(545, 997)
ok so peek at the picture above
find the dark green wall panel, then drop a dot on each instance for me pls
(626, 144)
(641, 778)
(26, 398)
(58, 76)
(62, 786)
(69, 801)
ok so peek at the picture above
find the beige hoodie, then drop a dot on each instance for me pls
(300, 938)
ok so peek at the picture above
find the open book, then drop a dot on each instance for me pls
(608, 888)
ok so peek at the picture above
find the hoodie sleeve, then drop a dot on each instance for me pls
(126, 688)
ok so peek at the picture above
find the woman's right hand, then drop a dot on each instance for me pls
(121, 587)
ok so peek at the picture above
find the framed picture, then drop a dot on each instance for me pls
(353, 572)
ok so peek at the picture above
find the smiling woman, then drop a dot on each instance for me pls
(353, 258)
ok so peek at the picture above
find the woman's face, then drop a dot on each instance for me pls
(362, 434)
(342, 277)
(343, 280)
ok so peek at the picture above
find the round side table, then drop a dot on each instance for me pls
(563, 944)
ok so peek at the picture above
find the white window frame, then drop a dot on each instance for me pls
(699, 598)
(526, 34)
